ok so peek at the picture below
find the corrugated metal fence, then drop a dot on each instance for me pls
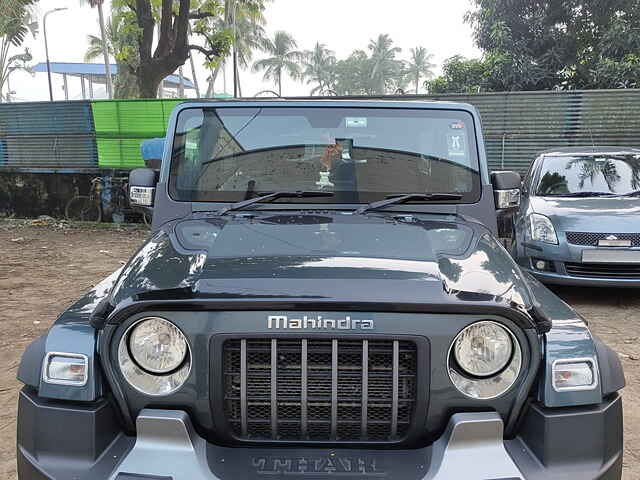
(121, 125)
(47, 134)
(516, 125)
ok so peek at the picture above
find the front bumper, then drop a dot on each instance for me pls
(59, 441)
(555, 278)
(559, 255)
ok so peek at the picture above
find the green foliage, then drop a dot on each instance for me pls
(284, 59)
(319, 68)
(459, 75)
(16, 23)
(419, 66)
(353, 75)
(386, 70)
(545, 44)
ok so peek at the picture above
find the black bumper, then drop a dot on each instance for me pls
(66, 441)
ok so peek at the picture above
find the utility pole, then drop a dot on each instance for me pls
(46, 47)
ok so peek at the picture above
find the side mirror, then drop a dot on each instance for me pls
(506, 189)
(142, 187)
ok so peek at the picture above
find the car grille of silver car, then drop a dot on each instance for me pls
(319, 389)
(604, 270)
(591, 239)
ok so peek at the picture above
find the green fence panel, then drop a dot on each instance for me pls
(122, 125)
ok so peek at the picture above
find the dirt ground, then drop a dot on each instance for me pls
(44, 268)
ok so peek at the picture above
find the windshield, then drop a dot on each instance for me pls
(589, 175)
(359, 154)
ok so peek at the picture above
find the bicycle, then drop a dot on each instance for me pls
(88, 208)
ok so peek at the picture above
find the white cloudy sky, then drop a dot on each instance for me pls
(343, 25)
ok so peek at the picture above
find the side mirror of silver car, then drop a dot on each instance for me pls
(506, 189)
(142, 187)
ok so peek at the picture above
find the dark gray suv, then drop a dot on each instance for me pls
(322, 296)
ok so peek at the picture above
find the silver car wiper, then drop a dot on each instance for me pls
(397, 199)
(273, 196)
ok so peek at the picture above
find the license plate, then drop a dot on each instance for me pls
(611, 256)
(604, 242)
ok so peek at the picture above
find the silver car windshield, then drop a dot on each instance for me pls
(587, 175)
(357, 154)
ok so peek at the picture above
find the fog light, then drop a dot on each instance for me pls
(543, 265)
(574, 374)
(65, 369)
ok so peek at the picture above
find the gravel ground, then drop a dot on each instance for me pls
(33, 254)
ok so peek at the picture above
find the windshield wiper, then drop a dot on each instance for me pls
(584, 194)
(273, 196)
(397, 199)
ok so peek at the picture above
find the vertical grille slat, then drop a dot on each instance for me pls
(334, 389)
(243, 385)
(394, 395)
(303, 394)
(274, 388)
(319, 389)
(365, 388)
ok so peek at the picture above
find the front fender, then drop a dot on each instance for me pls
(70, 333)
(570, 337)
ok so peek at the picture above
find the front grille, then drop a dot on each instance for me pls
(319, 390)
(604, 270)
(591, 239)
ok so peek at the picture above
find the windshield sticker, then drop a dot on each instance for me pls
(456, 145)
(457, 125)
(356, 122)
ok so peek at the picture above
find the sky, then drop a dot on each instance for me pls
(343, 25)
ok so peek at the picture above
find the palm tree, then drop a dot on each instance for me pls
(105, 50)
(284, 59)
(385, 67)
(16, 22)
(318, 66)
(250, 34)
(420, 65)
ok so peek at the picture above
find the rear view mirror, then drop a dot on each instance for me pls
(506, 189)
(142, 187)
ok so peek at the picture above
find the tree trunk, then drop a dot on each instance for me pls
(239, 87)
(280, 84)
(212, 80)
(125, 84)
(105, 53)
(149, 80)
(417, 82)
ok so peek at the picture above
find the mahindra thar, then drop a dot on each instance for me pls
(323, 295)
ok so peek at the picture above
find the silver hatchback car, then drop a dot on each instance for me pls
(579, 220)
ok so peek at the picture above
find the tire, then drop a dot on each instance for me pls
(147, 219)
(84, 209)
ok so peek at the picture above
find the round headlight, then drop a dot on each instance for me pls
(483, 349)
(157, 345)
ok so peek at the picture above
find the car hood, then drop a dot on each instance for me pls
(596, 214)
(328, 257)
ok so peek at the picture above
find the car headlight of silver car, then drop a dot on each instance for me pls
(154, 356)
(484, 360)
(541, 229)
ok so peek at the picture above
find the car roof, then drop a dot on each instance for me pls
(325, 102)
(577, 151)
